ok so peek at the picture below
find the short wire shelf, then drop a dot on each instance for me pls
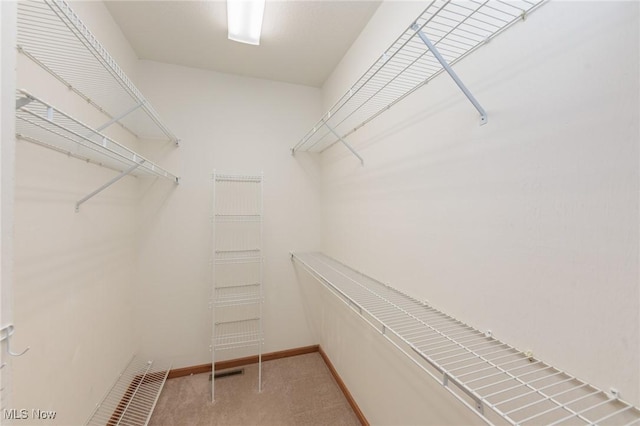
(39, 122)
(52, 35)
(455, 29)
(233, 295)
(238, 334)
(500, 383)
(132, 398)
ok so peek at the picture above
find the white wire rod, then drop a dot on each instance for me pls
(442, 343)
(472, 365)
(520, 375)
(237, 178)
(492, 366)
(543, 399)
(77, 38)
(580, 413)
(500, 372)
(609, 416)
(131, 157)
(633, 422)
(460, 333)
(561, 406)
(467, 354)
(566, 380)
(445, 348)
(65, 152)
(133, 394)
(345, 143)
(113, 386)
(519, 385)
(430, 347)
(347, 301)
(423, 338)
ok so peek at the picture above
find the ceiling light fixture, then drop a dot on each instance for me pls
(244, 20)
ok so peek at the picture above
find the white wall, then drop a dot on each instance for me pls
(527, 226)
(7, 165)
(233, 125)
(74, 272)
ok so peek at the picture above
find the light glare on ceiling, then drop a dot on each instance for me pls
(244, 20)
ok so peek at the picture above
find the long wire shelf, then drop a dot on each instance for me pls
(443, 34)
(39, 122)
(52, 35)
(500, 383)
(132, 398)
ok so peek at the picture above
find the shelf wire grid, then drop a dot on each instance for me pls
(40, 123)
(132, 398)
(500, 383)
(456, 28)
(52, 35)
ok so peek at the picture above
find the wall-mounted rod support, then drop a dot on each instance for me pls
(451, 72)
(108, 184)
(353, 151)
(7, 332)
(120, 117)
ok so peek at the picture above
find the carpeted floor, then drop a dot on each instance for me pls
(295, 391)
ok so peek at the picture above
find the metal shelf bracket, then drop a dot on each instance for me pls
(345, 143)
(445, 65)
(108, 184)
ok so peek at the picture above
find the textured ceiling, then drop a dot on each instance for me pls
(302, 41)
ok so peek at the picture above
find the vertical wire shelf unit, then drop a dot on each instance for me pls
(237, 267)
(443, 34)
(500, 383)
(53, 36)
(133, 397)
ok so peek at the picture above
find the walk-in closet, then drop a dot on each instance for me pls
(305, 212)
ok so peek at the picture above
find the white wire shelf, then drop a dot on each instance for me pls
(454, 29)
(500, 383)
(132, 398)
(39, 122)
(237, 334)
(53, 36)
(237, 294)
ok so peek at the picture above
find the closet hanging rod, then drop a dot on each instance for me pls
(454, 30)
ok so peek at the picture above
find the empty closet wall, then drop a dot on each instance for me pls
(527, 226)
(74, 272)
(235, 125)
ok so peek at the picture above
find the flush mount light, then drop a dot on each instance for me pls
(244, 20)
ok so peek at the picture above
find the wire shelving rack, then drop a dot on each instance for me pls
(237, 294)
(52, 35)
(132, 398)
(498, 382)
(443, 34)
(40, 123)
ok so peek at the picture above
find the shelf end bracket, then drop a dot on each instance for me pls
(108, 184)
(451, 72)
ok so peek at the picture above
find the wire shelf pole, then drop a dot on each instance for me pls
(341, 139)
(452, 73)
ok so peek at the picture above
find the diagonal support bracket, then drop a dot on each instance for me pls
(108, 184)
(451, 72)
(23, 102)
(341, 139)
